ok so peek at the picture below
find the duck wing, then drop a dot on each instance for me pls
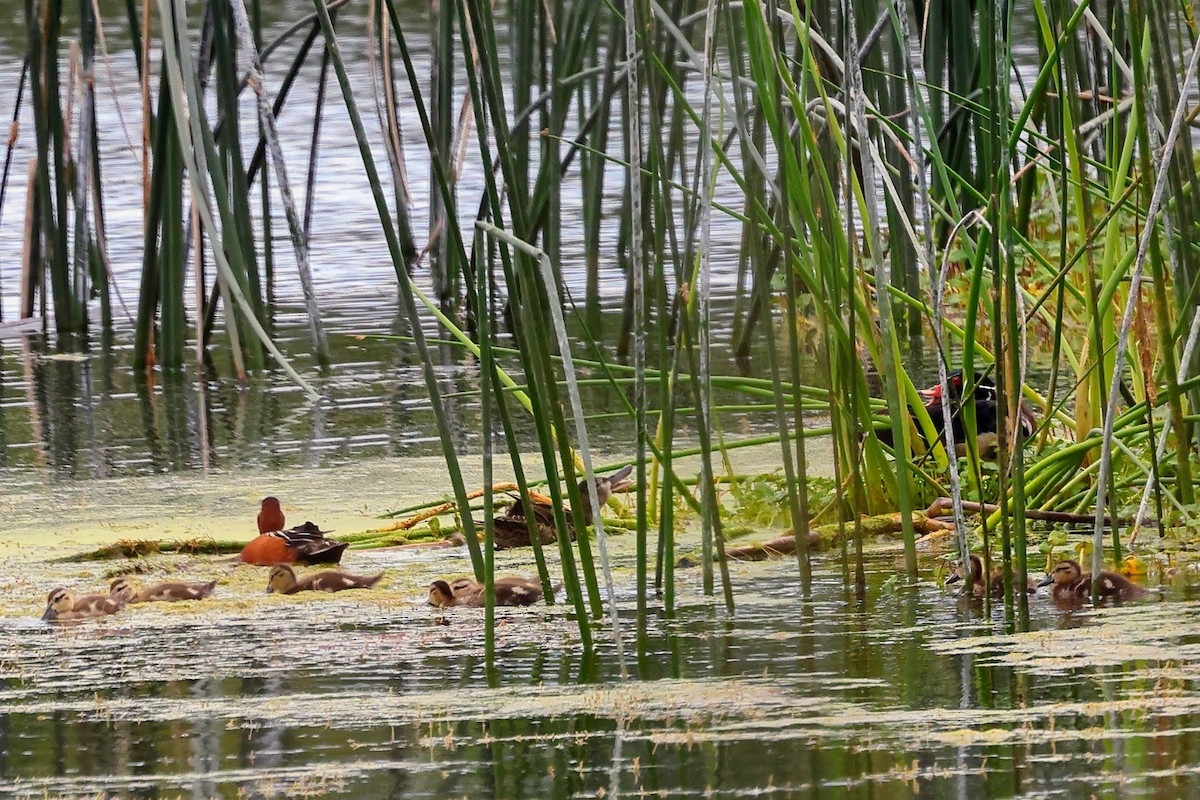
(311, 544)
(325, 551)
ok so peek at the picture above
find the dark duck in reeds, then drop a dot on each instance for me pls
(994, 585)
(1072, 583)
(304, 544)
(62, 605)
(283, 581)
(511, 530)
(124, 590)
(510, 591)
(987, 414)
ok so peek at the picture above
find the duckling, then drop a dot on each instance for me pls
(510, 591)
(511, 530)
(163, 592)
(283, 580)
(995, 585)
(1070, 581)
(61, 604)
(303, 544)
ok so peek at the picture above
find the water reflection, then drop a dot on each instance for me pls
(790, 698)
(89, 416)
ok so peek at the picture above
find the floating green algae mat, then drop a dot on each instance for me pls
(372, 693)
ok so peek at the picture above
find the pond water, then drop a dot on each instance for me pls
(365, 695)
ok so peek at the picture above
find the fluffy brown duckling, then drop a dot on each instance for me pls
(510, 591)
(994, 585)
(1070, 581)
(283, 580)
(511, 530)
(163, 592)
(61, 604)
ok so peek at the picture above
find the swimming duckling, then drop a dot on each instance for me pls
(1070, 581)
(283, 580)
(303, 544)
(61, 604)
(510, 591)
(162, 592)
(995, 585)
(511, 530)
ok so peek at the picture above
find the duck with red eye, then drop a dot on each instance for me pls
(303, 544)
(1072, 583)
(987, 413)
(994, 585)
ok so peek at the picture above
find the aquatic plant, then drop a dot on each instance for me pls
(875, 209)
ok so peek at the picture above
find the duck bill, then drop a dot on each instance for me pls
(1046, 581)
(49, 615)
(953, 579)
(620, 479)
(929, 395)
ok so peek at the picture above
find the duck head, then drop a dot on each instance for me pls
(121, 589)
(959, 573)
(57, 602)
(440, 594)
(1064, 573)
(270, 516)
(605, 488)
(983, 389)
(281, 580)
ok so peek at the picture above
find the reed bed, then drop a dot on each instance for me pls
(909, 193)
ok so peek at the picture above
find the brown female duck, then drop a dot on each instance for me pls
(510, 591)
(1071, 582)
(163, 592)
(994, 585)
(303, 544)
(283, 580)
(61, 604)
(511, 529)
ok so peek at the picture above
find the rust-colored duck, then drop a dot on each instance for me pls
(303, 544)
(994, 585)
(1072, 583)
(511, 530)
(62, 605)
(283, 581)
(124, 590)
(510, 591)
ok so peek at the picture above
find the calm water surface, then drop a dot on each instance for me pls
(366, 696)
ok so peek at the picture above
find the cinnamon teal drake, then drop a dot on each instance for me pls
(511, 530)
(123, 589)
(994, 585)
(510, 591)
(303, 544)
(62, 605)
(283, 581)
(1072, 583)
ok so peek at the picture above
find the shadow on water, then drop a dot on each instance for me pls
(365, 696)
